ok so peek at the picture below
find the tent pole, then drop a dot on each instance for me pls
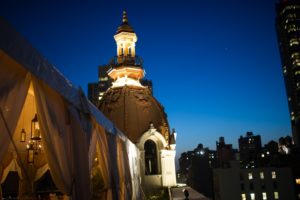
(14, 145)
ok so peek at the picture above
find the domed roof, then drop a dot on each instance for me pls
(132, 109)
(125, 26)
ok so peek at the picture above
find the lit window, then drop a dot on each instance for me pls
(273, 174)
(250, 176)
(276, 195)
(298, 181)
(284, 69)
(297, 72)
(296, 62)
(294, 41)
(261, 175)
(292, 28)
(295, 55)
(293, 118)
(264, 196)
(244, 197)
(252, 195)
(104, 78)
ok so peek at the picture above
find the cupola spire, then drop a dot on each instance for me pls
(126, 67)
(125, 19)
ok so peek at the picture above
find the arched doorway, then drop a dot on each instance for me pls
(151, 166)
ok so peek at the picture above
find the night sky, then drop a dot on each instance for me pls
(214, 64)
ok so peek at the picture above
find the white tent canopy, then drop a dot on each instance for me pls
(71, 127)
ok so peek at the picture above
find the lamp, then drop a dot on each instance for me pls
(34, 147)
(30, 155)
(35, 129)
(23, 135)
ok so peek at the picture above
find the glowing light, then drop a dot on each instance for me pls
(276, 195)
(250, 176)
(244, 197)
(264, 195)
(262, 176)
(273, 174)
(120, 82)
(298, 181)
(252, 195)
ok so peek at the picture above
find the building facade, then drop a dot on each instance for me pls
(268, 183)
(249, 149)
(288, 31)
(131, 106)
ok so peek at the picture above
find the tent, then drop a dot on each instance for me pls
(77, 143)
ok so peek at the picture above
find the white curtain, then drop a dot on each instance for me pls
(99, 138)
(0, 185)
(41, 171)
(14, 84)
(133, 161)
(13, 166)
(113, 152)
(125, 187)
(54, 120)
(80, 153)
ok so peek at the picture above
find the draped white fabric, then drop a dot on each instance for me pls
(113, 153)
(13, 166)
(41, 171)
(99, 139)
(123, 169)
(57, 138)
(134, 168)
(80, 154)
(14, 84)
(65, 138)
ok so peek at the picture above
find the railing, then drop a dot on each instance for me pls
(118, 61)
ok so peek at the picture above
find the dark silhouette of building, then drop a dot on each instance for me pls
(225, 153)
(288, 31)
(96, 90)
(253, 172)
(250, 148)
(196, 167)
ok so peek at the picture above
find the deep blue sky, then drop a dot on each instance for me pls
(214, 64)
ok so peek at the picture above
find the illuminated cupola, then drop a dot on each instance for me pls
(126, 67)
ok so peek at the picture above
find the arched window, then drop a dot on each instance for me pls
(129, 50)
(150, 158)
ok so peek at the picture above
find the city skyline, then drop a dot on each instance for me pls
(214, 65)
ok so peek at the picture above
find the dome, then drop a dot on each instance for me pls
(125, 27)
(132, 109)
